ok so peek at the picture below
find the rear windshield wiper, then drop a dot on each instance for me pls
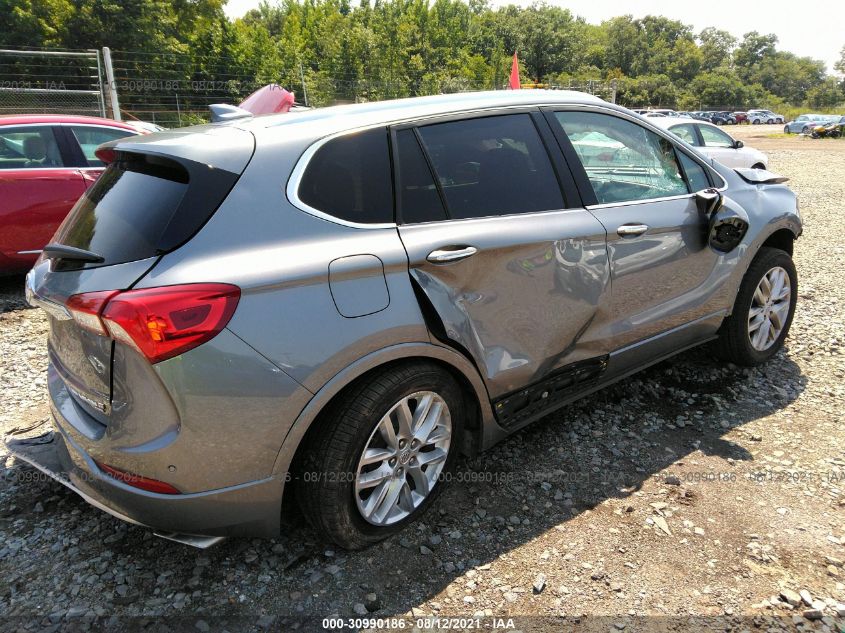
(60, 251)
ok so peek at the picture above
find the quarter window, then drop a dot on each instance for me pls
(696, 176)
(350, 178)
(29, 147)
(623, 160)
(90, 138)
(493, 165)
(714, 137)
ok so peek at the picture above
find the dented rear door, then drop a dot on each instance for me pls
(523, 287)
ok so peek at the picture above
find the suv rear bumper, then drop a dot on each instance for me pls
(199, 519)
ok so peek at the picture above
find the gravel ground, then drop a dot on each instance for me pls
(692, 489)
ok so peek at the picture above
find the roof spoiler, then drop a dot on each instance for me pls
(225, 112)
(760, 176)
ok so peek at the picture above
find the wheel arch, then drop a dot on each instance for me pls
(480, 424)
(781, 235)
(782, 238)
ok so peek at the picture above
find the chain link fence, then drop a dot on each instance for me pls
(51, 82)
(173, 90)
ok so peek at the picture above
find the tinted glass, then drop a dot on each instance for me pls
(685, 132)
(350, 178)
(418, 198)
(492, 166)
(125, 213)
(90, 138)
(714, 137)
(696, 176)
(623, 160)
(28, 147)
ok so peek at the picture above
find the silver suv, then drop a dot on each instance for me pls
(333, 305)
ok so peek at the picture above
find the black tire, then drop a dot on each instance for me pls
(326, 475)
(786, 129)
(734, 343)
(758, 166)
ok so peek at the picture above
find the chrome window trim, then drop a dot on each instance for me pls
(628, 203)
(292, 188)
(490, 218)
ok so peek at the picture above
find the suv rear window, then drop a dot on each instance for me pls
(350, 178)
(123, 216)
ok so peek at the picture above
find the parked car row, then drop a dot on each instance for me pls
(805, 123)
(707, 138)
(718, 117)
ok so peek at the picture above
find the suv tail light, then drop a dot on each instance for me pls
(158, 322)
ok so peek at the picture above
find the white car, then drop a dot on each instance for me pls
(764, 116)
(713, 142)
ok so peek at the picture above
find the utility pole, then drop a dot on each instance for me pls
(302, 78)
(613, 83)
(115, 105)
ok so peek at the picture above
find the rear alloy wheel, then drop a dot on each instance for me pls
(403, 458)
(763, 311)
(379, 456)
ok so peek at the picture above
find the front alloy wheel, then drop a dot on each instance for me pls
(762, 312)
(769, 309)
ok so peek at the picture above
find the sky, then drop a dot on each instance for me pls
(812, 28)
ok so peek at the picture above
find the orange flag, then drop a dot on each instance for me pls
(514, 82)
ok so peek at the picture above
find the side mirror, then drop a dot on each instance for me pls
(738, 144)
(725, 226)
(709, 201)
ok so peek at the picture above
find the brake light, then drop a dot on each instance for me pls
(86, 308)
(159, 322)
(138, 481)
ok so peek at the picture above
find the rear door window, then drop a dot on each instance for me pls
(350, 178)
(29, 147)
(495, 165)
(417, 197)
(696, 176)
(91, 137)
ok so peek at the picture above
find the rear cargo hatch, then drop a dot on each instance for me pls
(153, 197)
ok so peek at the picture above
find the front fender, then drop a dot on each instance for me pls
(786, 221)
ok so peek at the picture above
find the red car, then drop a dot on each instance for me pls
(46, 163)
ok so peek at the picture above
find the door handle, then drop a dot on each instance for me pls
(451, 254)
(631, 230)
